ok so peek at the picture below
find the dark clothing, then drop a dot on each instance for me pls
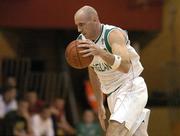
(12, 121)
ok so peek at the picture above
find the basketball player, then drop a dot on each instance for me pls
(114, 71)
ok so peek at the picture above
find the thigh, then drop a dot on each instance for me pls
(142, 130)
(116, 129)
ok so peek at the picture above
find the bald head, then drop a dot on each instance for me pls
(88, 12)
(87, 22)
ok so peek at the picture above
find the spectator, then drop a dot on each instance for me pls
(61, 125)
(8, 101)
(88, 127)
(11, 81)
(17, 123)
(42, 123)
(8, 81)
(35, 103)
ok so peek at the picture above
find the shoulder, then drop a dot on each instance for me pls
(36, 117)
(116, 35)
(113, 32)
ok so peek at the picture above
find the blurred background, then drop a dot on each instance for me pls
(34, 72)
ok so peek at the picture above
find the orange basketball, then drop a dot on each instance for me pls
(74, 58)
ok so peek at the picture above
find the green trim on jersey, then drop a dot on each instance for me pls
(79, 37)
(99, 35)
(106, 35)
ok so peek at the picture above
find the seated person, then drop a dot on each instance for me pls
(11, 81)
(8, 100)
(8, 81)
(61, 125)
(17, 123)
(42, 123)
(35, 103)
(88, 127)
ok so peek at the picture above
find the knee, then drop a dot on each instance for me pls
(108, 132)
(116, 129)
(141, 131)
(113, 126)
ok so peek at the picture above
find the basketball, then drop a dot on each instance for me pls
(74, 58)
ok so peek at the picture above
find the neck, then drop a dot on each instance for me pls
(99, 29)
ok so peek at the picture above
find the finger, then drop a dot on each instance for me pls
(83, 41)
(85, 51)
(88, 54)
(90, 42)
(84, 46)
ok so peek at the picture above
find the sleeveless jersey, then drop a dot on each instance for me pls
(112, 79)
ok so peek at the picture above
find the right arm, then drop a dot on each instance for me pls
(96, 86)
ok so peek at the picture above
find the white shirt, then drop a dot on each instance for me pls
(42, 127)
(4, 107)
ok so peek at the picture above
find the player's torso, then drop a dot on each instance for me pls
(111, 79)
(99, 65)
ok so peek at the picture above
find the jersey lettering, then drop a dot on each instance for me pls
(101, 67)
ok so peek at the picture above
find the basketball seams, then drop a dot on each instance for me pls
(78, 55)
(74, 58)
(69, 51)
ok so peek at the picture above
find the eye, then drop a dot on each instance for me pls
(81, 24)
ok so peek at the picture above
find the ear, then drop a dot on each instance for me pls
(95, 19)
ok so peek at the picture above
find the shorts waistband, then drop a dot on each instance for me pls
(119, 87)
(113, 91)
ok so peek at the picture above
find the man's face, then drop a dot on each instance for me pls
(88, 117)
(23, 106)
(59, 104)
(85, 25)
(46, 113)
(32, 97)
(10, 95)
(11, 81)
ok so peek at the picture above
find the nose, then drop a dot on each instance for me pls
(79, 29)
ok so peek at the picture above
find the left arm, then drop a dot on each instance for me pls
(118, 46)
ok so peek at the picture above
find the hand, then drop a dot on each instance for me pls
(26, 115)
(102, 116)
(90, 48)
(54, 111)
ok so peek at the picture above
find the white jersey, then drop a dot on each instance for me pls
(112, 79)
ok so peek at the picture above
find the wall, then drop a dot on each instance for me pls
(6, 49)
(161, 56)
(59, 13)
